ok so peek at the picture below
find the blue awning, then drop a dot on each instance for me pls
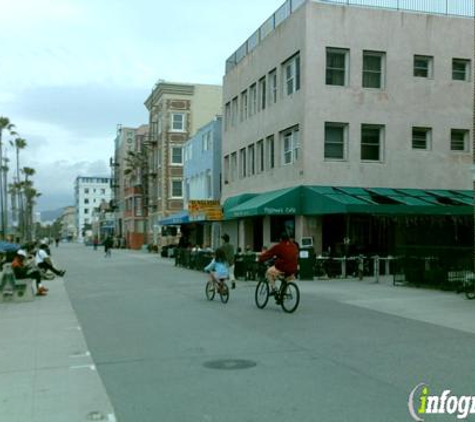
(181, 217)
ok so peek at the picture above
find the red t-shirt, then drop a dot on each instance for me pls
(286, 253)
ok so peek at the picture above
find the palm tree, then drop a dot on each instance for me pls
(30, 195)
(9, 127)
(4, 169)
(19, 144)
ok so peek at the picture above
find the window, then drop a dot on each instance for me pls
(373, 68)
(233, 166)
(291, 71)
(86, 190)
(244, 105)
(423, 66)
(335, 141)
(234, 111)
(252, 160)
(459, 140)
(178, 122)
(421, 137)
(86, 201)
(206, 141)
(176, 155)
(270, 150)
(461, 70)
(242, 158)
(103, 191)
(260, 156)
(337, 66)
(227, 115)
(253, 100)
(290, 145)
(371, 142)
(209, 185)
(273, 86)
(262, 93)
(177, 188)
(86, 210)
(226, 173)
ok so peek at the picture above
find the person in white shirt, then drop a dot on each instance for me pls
(43, 261)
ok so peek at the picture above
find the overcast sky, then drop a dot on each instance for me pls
(71, 70)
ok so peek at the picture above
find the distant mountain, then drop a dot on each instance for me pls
(51, 215)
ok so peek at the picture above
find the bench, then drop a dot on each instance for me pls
(13, 290)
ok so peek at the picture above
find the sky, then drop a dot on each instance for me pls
(71, 70)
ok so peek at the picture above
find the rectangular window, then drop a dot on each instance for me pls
(244, 105)
(227, 115)
(234, 111)
(272, 86)
(260, 156)
(371, 142)
(270, 152)
(178, 122)
(335, 141)
(253, 100)
(206, 141)
(209, 185)
(226, 173)
(176, 155)
(291, 72)
(86, 190)
(86, 210)
(252, 160)
(290, 145)
(337, 66)
(423, 66)
(373, 69)
(103, 191)
(243, 163)
(461, 70)
(233, 166)
(86, 201)
(262, 93)
(177, 188)
(459, 140)
(421, 137)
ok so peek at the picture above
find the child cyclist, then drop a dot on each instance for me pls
(218, 268)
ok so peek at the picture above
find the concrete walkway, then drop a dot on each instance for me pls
(46, 371)
(48, 375)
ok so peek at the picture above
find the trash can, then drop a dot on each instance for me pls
(306, 263)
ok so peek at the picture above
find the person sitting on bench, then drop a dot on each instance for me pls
(21, 270)
(44, 261)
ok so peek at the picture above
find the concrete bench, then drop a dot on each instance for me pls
(13, 290)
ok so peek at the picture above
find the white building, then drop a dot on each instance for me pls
(89, 193)
(361, 107)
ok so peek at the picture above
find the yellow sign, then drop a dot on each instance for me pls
(203, 209)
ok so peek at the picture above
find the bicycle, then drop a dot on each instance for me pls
(287, 295)
(220, 286)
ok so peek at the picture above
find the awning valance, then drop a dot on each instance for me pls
(181, 217)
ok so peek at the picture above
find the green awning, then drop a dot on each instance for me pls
(234, 201)
(322, 200)
(279, 202)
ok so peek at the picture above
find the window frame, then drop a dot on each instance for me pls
(173, 148)
(345, 52)
(466, 72)
(291, 136)
(253, 99)
(344, 144)
(242, 163)
(380, 145)
(382, 70)
(172, 122)
(262, 93)
(270, 152)
(273, 86)
(174, 180)
(429, 70)
(466, 140)
(291, 83)
(419, 143)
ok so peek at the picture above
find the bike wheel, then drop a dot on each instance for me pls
(262, 294)
(290, 297)
(210, 290)
(224, 293)
(470, 291)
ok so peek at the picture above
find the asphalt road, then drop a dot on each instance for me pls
(156, 342)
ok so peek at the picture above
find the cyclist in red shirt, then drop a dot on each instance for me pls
(286, 260)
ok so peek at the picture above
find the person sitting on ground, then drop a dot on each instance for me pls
(286, 260)
(22, 270)
(217, 268)
(43, 261)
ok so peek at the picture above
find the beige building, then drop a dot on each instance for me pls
(368, 111)
(177, 111)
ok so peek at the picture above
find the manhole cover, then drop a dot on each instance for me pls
(230, 364)
(96, 416)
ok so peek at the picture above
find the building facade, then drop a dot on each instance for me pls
(90, 192)
(202, 179)
(176, 111)
(347, 98)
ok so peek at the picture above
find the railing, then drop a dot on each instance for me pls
(439, 7)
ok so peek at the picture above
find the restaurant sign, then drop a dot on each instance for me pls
(205, 210)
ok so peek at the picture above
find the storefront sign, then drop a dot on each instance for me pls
(205, 210)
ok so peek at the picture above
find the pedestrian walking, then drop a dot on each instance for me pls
(107, 247)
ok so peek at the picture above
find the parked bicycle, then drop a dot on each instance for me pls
(220, 286)
(287, 294)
